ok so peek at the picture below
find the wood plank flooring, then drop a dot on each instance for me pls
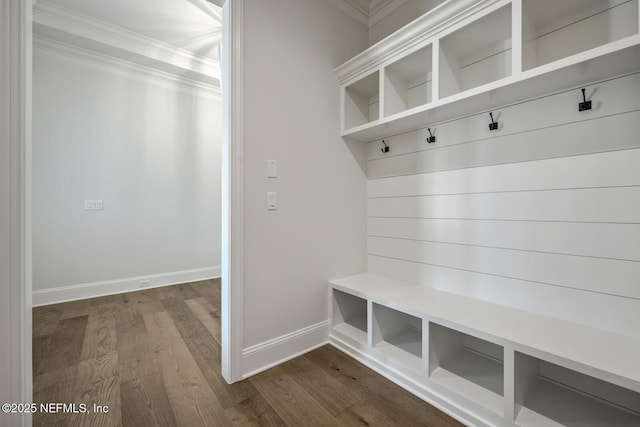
(153, 358)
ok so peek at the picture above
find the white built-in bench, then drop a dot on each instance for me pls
(484, 363)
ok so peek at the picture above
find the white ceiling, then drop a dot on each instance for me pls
(194, 25)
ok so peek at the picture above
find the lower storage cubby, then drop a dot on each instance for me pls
(468, 366)
(547, 394)
(398, 336)
(350, 316)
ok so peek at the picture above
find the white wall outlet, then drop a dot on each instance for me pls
(144, 283)
(272, 201)
(272, 169)
(93, 205)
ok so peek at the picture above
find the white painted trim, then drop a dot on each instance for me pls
(419, 31)
(110, 287)
(60, 51)
(278, 350)
(368, 12)
(355, 12)
(361, 5)
(15, 120)
(380, 9)
(51, 18)
(232, 190)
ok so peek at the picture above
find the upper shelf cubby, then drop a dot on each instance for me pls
(362, 101)
(477, 53)
(552, 29)
(470, 56)
(408, 82)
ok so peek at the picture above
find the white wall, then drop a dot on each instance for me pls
(291, 115)
(541, 215)
(400, 17)
(146, 144)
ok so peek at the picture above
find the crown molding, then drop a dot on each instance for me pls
(353, 9)
(380, 9)
(58, 23)
(369, 12)
(360, 5)
(417, 32)
(60, 51)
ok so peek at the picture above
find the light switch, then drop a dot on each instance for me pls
(272, 169)
(93, 205)
(272, 201)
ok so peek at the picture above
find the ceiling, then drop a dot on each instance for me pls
(193, 25)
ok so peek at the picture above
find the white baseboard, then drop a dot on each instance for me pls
(268, 354)
(110, 287)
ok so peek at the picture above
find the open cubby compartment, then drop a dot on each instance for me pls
(397, 336)
(477, 53)
(362, 101)
(350, 316)
(468, 366)
(408, 82)
(547, 394)
(553, 29)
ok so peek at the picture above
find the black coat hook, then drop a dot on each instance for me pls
(584, 105)
(493, 125)
(384, 149)
(430, 138)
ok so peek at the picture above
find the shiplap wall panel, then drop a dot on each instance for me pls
(617, 205)
(608, 133)
(612, 169)
(600, 275)
(601, 240)
(543, 215)
(618, 314)
(419, 92)
(609, 98)
(485, 70)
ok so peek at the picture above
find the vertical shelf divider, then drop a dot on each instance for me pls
(516, 37)
(435, 70)
(369, 324)
(381, 95)
(509, 383)
(425, 346)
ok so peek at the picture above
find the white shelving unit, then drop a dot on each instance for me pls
(551, 395)
(552, 30)
(468, 366)
(408, 82)
(397, 335)
(484, 54)
(477, 53)
(485, 363)
(350, 317)
(362, 101)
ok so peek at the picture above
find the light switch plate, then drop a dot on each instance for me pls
(272, 201)
(272, 169)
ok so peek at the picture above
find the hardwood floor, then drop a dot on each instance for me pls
(153, 358)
